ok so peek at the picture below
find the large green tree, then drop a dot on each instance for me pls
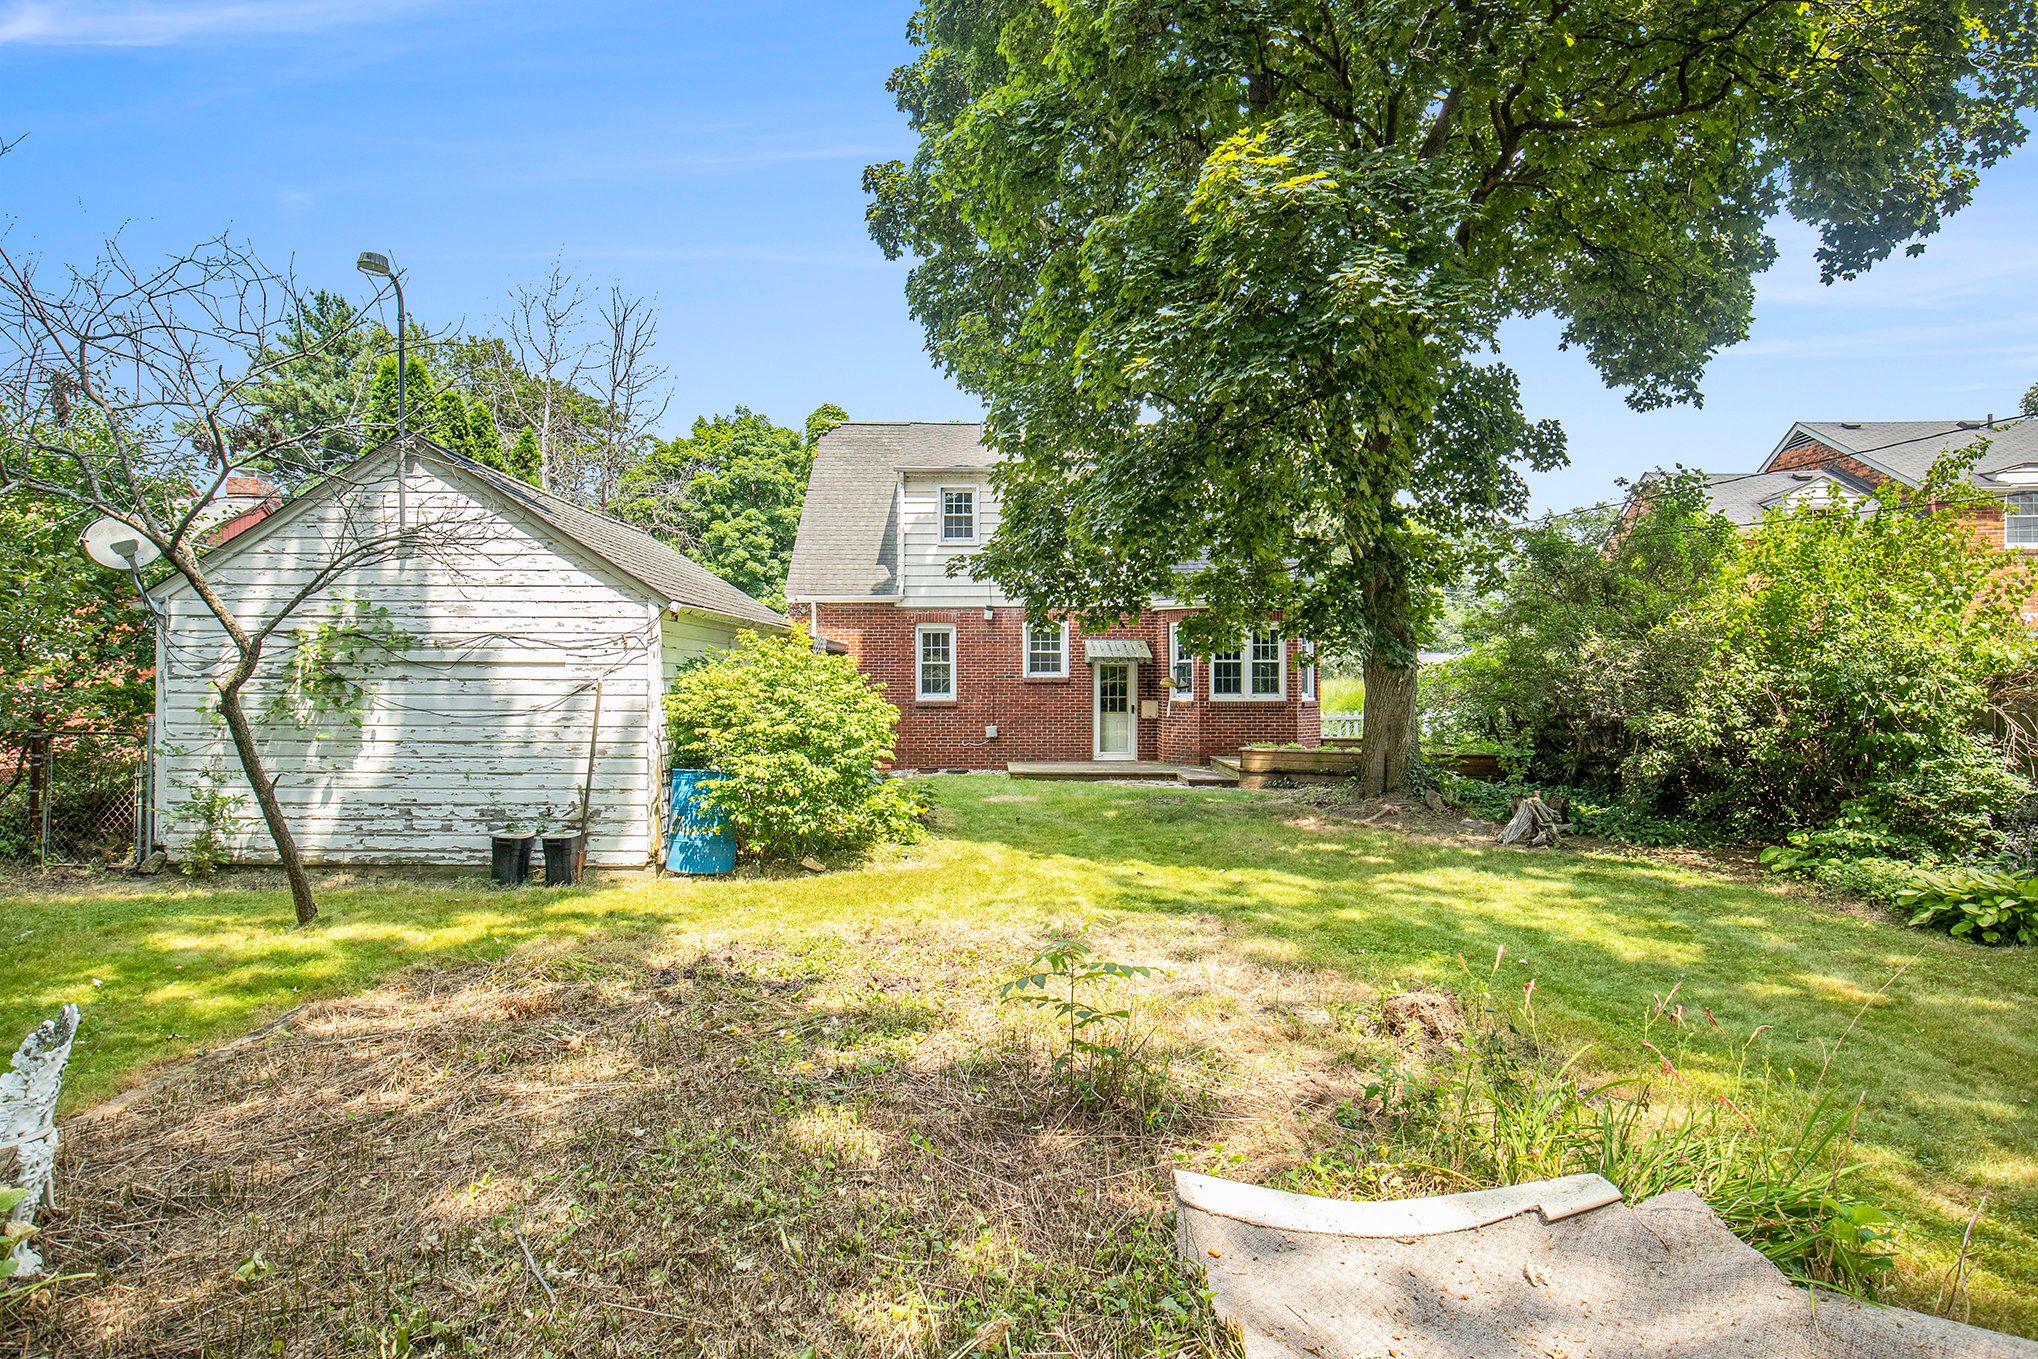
(1228, 275)
(729, 494)
(314, 399)
(75, 651)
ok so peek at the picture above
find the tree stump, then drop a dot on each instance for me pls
(1535, 825)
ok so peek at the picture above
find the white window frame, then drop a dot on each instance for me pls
(1180, 660)
(920, 662)
(1241, 655)
(1253, 662)
(2027, 502)
(1306, 676)
(976, 504)
(1061, 669)
(1234, 657)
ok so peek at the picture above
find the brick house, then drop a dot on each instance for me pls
(1843, 459)
(889, 507)
(1840, 460)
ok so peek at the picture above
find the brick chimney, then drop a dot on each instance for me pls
(242, 503)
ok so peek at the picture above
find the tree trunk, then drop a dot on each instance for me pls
(265, 797)
(1387, 741)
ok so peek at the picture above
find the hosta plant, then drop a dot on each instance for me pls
(1980, 905)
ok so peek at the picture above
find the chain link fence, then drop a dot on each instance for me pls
(72, 797)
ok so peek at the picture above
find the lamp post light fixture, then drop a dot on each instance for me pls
(376, 265)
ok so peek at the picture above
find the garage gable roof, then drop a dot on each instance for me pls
(669, 579)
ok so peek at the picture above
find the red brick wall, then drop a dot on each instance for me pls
(1808, 452)
(1043, 719)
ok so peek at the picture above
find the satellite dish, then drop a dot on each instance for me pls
(117, 546)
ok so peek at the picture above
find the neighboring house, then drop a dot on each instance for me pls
(888, 508)
(1839, 460)
(1834, 462)
(519, 613)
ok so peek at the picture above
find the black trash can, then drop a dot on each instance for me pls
(565, 859)
(510, 858)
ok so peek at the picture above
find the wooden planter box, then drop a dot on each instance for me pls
(1318, 761)
(1335, 762)
(1258, 768)
(1480, 766)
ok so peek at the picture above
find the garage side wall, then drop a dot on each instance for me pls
(478, 719)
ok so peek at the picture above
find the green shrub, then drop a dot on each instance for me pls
(1980, 905)
(802, 738)
(1872, 878)
(1588, 812)
(1840, 666)
(1830, 670)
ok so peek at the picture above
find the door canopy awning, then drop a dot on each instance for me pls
(1116, 649)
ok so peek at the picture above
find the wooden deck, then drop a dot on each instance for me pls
(1194, 774)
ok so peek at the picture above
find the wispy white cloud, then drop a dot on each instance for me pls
(1957, 269)
(1997, 336)
(161, 23)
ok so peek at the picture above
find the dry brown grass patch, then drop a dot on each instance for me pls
(736, 1153)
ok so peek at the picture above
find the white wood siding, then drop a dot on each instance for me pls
(481, 721)
(924, 582)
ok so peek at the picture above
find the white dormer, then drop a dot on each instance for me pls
(944, 514)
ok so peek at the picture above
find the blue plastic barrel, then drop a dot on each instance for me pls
(697, 839)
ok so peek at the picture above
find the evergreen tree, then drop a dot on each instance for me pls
(315, 399)
(420, 399)
(484, 444)
(524, 461)
(447, 423)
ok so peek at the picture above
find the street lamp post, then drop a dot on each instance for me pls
(377, 265)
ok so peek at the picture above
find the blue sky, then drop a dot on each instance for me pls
(710, 154)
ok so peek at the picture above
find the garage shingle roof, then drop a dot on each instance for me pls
(676, 579)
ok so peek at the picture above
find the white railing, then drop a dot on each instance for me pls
(1343, 726)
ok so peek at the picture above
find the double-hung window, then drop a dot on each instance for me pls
(2020, 520)
(1181, 665)
(1307, 674)
(1269, 664)
(958, 514)
(936, 646)
(1047, 650)
(1255, 668)
(1227, 673)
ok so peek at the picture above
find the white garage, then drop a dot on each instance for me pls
(459, 667)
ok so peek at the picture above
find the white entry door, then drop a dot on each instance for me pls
(1117, 737)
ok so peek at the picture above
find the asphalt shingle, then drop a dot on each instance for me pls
(847, 545)
(1908, 448)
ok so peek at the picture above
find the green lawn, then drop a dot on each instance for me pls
(1947, 1058)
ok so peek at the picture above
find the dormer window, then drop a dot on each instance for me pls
(2020, 520)
(958, 514)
